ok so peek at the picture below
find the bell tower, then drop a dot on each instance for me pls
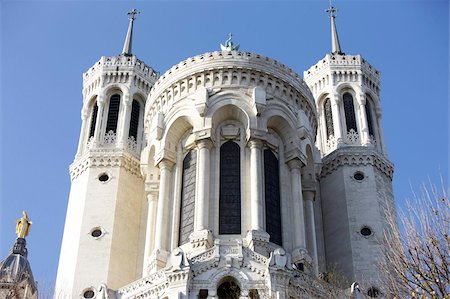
(102, 234)
(356, 177)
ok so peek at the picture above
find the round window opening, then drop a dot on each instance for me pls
(365, 231)
(373, 292)
(88, 294)
(96, 233)
(103, 177)
(359, 176)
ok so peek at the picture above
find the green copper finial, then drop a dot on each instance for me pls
(229, 46)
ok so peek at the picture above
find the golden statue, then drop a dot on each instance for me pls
(23, 226)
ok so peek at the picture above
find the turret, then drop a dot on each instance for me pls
(102, 235)
(356, 177)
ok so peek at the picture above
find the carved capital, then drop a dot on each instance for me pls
(295, 164)
(361, 99)
(204, 143)
(295, 154)
(255, 143)
(308, 194)
(165, 164)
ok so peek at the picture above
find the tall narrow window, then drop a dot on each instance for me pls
(187, 207)
(328, 117)
(272, 192)
(369, 117)
(230, 189)
(113, 113)
(349, 109)
(134, 119)
(93, 120)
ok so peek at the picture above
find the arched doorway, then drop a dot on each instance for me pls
(228, 289)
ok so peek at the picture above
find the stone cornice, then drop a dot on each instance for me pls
(355, 156)
(105, 158)
(230, 69)
(118, 69)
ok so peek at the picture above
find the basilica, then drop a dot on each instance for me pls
(227, 176)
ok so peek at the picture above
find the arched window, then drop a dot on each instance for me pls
(230, 189)
(328, 117)
(134, 119)
(272, 193)
(369, 116)
(93, 120)
(113, 113)
(349, 109)
(187, 207)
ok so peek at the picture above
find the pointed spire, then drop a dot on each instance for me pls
(335, 46)
(127, 45)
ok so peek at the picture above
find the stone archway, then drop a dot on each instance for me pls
(228, 289)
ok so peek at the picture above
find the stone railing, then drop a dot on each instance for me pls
(352, 138)
(121, 61)
(110, 142)
(234, 69)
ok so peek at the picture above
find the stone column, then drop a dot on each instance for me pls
(84, 124)
(124, 121)
(256, 185)
(299, 240)
(309, 218)
(201, 239)
(365, 138)
(162, 214)
(98, 125)
(257, 237)
(336, 112)
(380, 132)
(152, 197)
(202, 195)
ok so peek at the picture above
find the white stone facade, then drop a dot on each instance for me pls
(179, 178)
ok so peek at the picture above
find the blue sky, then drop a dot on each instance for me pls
(46, 46)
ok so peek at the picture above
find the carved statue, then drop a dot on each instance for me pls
(177, 260)
(229, 45)
(102, 292)
(23, 226)
(356, 291)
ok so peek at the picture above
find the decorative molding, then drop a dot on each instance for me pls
(105, 157)
(355, 156)
(118, 70)
(231, 69)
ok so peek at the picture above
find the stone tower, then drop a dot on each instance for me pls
(103, 233)
(239, 179)
(356, 177)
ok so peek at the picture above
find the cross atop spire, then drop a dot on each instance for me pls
(335, 46)
(127, 45)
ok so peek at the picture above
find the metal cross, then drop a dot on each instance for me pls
(331, 11)
(132, 14)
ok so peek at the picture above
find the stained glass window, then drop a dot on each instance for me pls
(93, 120)
(187, 207)
(369, 117)
(134, 119)
(230, 189)
(272, 193)
(349, 109)
(328, 117)
(113, 113)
